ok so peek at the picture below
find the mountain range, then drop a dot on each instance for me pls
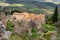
(53, 1)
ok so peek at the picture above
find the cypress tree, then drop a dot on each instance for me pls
(55, 16)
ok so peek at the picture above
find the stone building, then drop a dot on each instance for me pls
(30, 20)
(29, 16)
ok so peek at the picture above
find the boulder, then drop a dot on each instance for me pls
(7, 35)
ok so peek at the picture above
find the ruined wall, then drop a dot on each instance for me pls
(29, 16)
(29, 20)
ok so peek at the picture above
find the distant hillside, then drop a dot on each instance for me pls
(32, 6)
(36, 3)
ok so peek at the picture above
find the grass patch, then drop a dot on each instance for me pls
(48, 27)
(15, 37)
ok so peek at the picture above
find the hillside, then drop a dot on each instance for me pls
(28, 20)
(31, 6)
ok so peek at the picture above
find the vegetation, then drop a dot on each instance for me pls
(48, 27)
(15, 37)
(55, 17)
(47, 35)
(47, 30)
(35, 35)
(33, 7)
(28, 6)
(10, 26)
(24, 36)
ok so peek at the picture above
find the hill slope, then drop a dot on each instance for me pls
(32, 6)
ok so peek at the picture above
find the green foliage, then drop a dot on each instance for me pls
(55, 16)
(10, 26)
(48, 27)
(34, 30)
(59, 16)
(15, 37)
(49, 19)
(34, 35)
(24, 36)
(47, 35)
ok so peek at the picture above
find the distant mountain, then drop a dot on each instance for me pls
(20, 0)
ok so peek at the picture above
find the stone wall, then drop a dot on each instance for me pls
(3, 33)
(29, 16)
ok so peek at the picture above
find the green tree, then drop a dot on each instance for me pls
(55, 16)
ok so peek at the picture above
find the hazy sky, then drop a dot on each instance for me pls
(52, 0)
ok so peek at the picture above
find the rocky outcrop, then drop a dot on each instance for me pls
(54, 35)
(3, 33)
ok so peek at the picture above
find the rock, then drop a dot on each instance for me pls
(18, 30)
(54, 35)
(7, 35)
(4, 35)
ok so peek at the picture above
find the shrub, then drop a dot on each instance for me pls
(24, 36)
(34, 35)
(47, 35)
(10, 26)
(48, 27)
